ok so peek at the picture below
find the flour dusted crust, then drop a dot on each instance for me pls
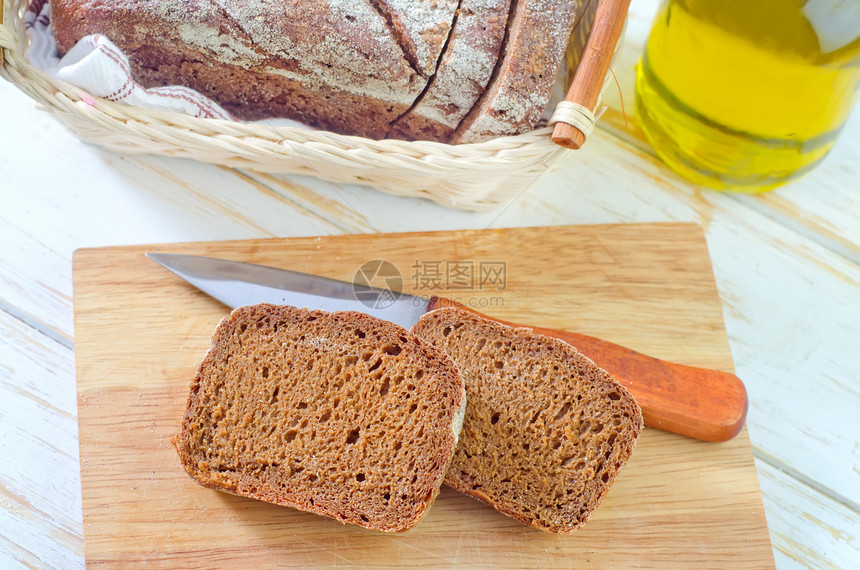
(340, 414)
(462, 75)
(447, 70)
(521, 86)
(334, 64)
(421, 28)
(546, 431)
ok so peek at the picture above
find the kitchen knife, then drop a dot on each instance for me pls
(710, 405)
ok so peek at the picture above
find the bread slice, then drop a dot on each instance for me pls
(545, 431)
(520, 88)
(462, 75)
(340, 414)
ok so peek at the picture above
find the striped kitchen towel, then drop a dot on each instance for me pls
(97, 66)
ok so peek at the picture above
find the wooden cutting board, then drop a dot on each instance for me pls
(140, 332)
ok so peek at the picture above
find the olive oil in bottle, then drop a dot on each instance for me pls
(745, 95)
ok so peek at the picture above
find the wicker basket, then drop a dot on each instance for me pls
(471, 176)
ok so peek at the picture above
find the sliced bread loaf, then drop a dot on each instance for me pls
(349, 66)
(520, 88)
(339, 414)
(545, 431)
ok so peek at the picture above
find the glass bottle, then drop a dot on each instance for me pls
(746, 95)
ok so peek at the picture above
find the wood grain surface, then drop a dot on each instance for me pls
(140, 332)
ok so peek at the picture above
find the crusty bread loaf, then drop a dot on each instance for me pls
(520, 88)
(462, 75)
(545, 431)
(373, 68)
(340, 414)
(348, 66)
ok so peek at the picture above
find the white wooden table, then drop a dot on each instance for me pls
(787, 266)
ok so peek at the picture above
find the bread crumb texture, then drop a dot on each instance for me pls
(546, 430)
(340, 414)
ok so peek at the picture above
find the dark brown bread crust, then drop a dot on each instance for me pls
(339, 414)
(545, 431)
(333, 64)
(462, 74)
(421, 28)
(355, 67)
(533, 51)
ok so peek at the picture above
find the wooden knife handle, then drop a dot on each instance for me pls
(704, 404)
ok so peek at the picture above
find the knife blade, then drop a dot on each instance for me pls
(237, 283)
(710, 405)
